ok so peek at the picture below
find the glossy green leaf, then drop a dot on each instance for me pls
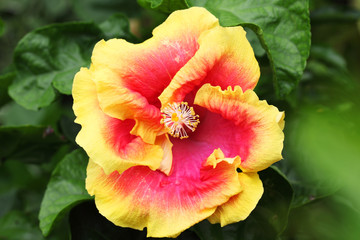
(266, 222)
(282, 26)
(66, 188)
(48, 57)
(166, 6)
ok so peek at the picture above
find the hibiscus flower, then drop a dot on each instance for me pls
(173, 129)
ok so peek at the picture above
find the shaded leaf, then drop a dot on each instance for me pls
(207, 231)
(101, 10)
(273, 208)
(282, 26)
(166, 6)
(328, 66)
(69, 128)
(329, 218)
(306, 190)
(5, 81)
(28, 143)
(66, 188)
(16, 226)
(331, 137)
(87, 223)
(332, 14)
(13, 114)
(117, 26)
(1, 27)
(7, 199)
(329, 56)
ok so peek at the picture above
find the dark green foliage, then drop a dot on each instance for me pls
(16, 226)
(66, 188)
(86, 223)
(101, 10)
(48, 58)
(166, 6)
(28, 143)
(1, 27)
(311, 194)
(5, 81)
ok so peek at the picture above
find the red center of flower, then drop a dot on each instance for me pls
(179, 118)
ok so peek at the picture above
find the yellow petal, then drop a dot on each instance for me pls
(165, 205)
(108, 140)
(245, 126)
(241, 205)
(225, 58)
(130, 77)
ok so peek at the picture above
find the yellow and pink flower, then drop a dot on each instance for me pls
(169, 123)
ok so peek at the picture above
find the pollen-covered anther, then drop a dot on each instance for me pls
(179, 118)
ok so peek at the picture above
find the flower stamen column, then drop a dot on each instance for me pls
(177, 116)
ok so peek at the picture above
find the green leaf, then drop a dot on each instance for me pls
(87, 223)
(330, 218)
(282, 26)
(207, 231)
(334, 14)
(101, 10)
(166, 6)
(117, 26)
(51, 55)
(66, 188)
(328, 66)
(28, 143)
(331, 137)
(17, 226)
(5, 81)
(254, 42)
(69, 128)
(13, 114)
(270, 215)
(306, 190)
(1, 27)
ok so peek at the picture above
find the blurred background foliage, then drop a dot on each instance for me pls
(312, 194)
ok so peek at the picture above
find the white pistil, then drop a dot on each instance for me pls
(177, 116)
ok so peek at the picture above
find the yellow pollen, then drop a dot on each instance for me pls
(174, 117)
(177, 116)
